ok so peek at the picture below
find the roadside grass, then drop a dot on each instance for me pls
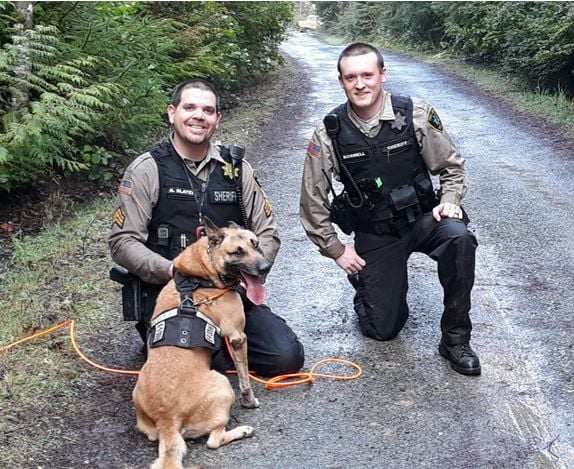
(58, 275)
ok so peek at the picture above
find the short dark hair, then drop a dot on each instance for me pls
(199, 83)
(360, 48)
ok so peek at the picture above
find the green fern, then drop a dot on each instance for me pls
(62, 105)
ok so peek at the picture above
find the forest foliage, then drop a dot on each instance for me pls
(531, 40)
(84, 82)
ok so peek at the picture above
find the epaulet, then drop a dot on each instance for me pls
(401, 102)
(162, 149)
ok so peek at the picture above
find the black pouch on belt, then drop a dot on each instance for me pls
(405, 201)
(341, 213)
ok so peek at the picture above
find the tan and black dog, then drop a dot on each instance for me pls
(177, 395)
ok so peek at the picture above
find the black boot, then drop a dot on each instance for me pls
(462, 358)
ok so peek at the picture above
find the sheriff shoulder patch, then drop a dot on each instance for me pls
(119, 218)
(267, 208)
(434, 120)
(125, 187)
(314, 149)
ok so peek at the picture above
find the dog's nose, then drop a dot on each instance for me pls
(263, 266)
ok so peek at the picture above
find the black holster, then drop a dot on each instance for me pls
(131, 293)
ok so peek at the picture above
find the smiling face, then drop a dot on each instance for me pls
(194, 120)
(361, 78)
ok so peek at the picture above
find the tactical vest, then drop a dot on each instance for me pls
(176, 216)
(388, 170)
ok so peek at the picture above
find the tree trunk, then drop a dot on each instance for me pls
(23, 67)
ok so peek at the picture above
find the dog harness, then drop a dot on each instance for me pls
(185, 326)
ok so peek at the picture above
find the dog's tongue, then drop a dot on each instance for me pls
(255, 290)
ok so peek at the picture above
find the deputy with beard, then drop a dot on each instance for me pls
(164, 196)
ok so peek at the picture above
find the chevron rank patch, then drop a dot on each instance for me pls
(267, 208)
(434, 120)
(125, 187)
(119, 218)
(314, 150)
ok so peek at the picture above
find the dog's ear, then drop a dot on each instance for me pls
(212, 231)
(232, 224)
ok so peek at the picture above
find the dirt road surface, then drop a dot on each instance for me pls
(409, 409)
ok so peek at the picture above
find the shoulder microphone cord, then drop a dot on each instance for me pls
(237, 152)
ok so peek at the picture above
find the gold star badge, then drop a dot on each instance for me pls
(228, 171)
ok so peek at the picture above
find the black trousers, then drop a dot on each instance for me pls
(273, 348)
(380, 300)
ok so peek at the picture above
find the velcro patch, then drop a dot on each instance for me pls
(223, 197)
(125, 187)
(434, 120)
(119, 218)
(314, 149)
(267, 208)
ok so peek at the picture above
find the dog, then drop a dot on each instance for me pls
(177, 395)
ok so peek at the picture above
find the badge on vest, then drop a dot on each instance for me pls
(228, 171)
(399, 122)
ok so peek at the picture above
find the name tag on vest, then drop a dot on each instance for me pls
(179, 192)
(355, 156)
(223, 197)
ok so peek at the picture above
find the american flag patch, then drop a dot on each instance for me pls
(314, 150)
(125, 187)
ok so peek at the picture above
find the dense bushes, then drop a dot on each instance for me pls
(81, 82)
(532, 39)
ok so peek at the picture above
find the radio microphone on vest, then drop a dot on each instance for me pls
(237, 151)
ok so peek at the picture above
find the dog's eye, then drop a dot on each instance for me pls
(255, 243)
(238, 252)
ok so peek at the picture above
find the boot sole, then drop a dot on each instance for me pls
(459, 369)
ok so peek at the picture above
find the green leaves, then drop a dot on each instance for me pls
(92, 80)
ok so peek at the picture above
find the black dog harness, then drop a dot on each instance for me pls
(185, 326)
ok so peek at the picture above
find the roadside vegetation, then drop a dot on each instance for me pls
(84, 83)
(521, 52)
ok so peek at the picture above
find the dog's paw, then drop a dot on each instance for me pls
(246, 431)
(250, 402)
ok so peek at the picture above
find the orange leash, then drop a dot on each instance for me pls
(295, 379)
(277, 382)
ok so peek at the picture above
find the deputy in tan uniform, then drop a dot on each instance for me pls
(382, 148)
(162, 201)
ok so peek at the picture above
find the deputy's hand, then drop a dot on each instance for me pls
(447, 210)
(350, 261)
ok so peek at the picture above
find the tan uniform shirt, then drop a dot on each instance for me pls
(137, 199)
(437, 149)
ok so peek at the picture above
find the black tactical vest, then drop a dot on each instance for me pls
(388, 169)
(176, 215)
